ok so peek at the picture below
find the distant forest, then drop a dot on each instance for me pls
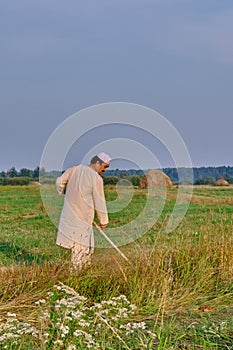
(201, 176)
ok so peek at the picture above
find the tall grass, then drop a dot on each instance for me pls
(174, 274)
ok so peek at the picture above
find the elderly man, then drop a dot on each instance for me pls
(84, 195)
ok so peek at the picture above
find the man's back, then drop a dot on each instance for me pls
(84, 195)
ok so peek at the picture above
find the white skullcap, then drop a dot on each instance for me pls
(104, 157)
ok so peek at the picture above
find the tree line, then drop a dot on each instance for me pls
(24, 172)
(201, 175)
(22, 177)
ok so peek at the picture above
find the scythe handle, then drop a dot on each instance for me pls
(112, 244)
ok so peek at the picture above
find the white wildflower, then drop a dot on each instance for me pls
(77, 333)
(122, 312)
(151, 333)
(69, 303)
(3, 337)
(25, 324)
(109, 302)
(115, 318)
(65, 330)
(11, 320)
(68, 318)
(35, 333)
(82, 298)
(50, 294)
(96, 306)
(140, 325)
(133, 307)
(9, 314)
(83, 323)
(9, 327)
(46, 314)
(121, 297)
(91, 345)
(46, 335)
(76, 314)
(58, 342)
(57, 287)
(7, 336)
(29, 330)
(103, 312)
(41, 301)
(130, 327)
(71, 347)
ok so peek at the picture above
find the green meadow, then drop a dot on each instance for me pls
(177, 294)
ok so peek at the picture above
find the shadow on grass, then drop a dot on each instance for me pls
(19, 255)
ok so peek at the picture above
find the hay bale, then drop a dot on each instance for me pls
(221, 182)
(155, 179)
(35, 183)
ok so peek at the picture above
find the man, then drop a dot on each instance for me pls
(84, 195)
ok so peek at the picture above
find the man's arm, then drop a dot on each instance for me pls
(100, 203)
(62, 181)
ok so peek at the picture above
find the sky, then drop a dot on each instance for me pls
(58, 57)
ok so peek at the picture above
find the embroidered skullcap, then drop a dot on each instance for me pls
(104, 157)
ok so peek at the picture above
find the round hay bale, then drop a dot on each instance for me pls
(35, 183)
(221, 182)
(155, 179)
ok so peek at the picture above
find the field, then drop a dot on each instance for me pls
(177, 296)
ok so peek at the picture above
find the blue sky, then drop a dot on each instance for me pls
(57, 57)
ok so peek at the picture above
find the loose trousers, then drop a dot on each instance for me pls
(80, 256)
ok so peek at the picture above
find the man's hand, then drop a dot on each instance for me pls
(103, 226)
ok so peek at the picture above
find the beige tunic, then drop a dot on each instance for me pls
(84, 194)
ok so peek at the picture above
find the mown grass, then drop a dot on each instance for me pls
(182, 282)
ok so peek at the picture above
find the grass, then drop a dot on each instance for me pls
(181, 284)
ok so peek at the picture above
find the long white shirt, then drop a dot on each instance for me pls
(84, 194)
